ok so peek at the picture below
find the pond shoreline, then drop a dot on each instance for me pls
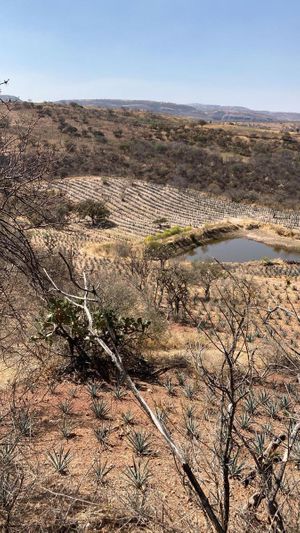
(271, 238)
(240, 249)
(267, 234)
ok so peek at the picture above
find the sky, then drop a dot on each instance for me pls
(227, 52)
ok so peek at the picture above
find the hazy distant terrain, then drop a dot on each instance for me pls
(198, 111)
(206, 112)
(8, 98)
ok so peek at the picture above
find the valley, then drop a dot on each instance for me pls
(129, 357)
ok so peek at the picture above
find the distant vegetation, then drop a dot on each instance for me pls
(259, 164)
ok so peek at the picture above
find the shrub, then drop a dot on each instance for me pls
(118, 133)
(70, 130)
(4, 122)
(99, 136)
(83, 354)
(205, 273)
(49, 207)
(169, 232)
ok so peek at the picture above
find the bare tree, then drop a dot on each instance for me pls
(230, 330)
(26, 202)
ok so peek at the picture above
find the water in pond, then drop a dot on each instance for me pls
(239, 250)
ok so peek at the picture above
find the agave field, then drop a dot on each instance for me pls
(140, 390)
(89, 451)
(136, 205)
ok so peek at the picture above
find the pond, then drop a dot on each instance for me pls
(240, 250)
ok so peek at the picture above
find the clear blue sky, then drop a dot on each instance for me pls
(235, 52)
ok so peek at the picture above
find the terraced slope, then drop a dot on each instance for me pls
(135, 205)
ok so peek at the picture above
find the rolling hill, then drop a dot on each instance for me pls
(197, 111)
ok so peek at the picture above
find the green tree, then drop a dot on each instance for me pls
(97, 211)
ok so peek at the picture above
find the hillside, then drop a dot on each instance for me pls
(197, 111)
(124, 361)
(135, 207)
(254, 164)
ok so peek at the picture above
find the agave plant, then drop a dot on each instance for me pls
(295, 455)
(236, 468)
(128, 418)
(245, 421)
(180, 378)
(140, 442)
(73, 392)
(67, 429)
(161, 413)
(190, 411)
(263, 397)
(272, 408)
(292, 389)
(93, 390)
(66, 407)
(138, 474)
(101, 470)
(285, 403)
(259, 443)
(23, 421)
(189, 391)
(170, 387)
(52, 386)
(192, 428)
(100, 409)
(102, 433)
(250, 404)
(8, 451)
(268, 429)
(60, 460)
(119, 393)
(11, 483)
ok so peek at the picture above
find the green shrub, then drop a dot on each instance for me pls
(169, 232)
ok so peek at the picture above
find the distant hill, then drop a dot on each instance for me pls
(214, 113)
(246, 162)
(9, 98)
(197, 111)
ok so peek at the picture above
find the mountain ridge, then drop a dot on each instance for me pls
(9, 98)
(208, 112)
